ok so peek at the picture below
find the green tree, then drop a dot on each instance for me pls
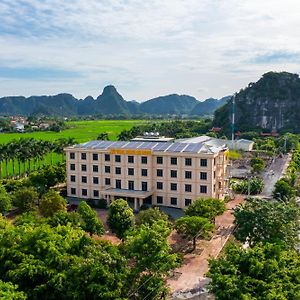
(61, 263)
(103, 136)
(257, 164)
(120, 217)
(26, 198)
(207, 208)
(151, 215)
(90, 221)
(194, 227)
(283, 190)
(51, 203)
(9, 291)
(64, 218)
(261, 273)
(147, 247)
(266, 221)
(5, 200)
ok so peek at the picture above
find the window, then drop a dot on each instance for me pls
(144, 186)
(173, 186)
(83, 168)
(144, 160)
(159, 199)
(95, 156)
(118, 184)
(83, 179)
(203, 175)
(144, 172)
(107, 181)
(130, 159)
(188, 161)
(188, 188)
(203, 189)
(72, 178)
(107, 169)
(106, 157)
(131, 185)
(95, 169)
(159, 160)
(72, 155)
(131, 171)
(95, 180)
(83, 156)
(118, 170)
(118, 158)
(159, 173)
(96, 193)
(203, 162)
(173, 160)
(159, 185)
(72, 167)
(187, 202)
(73, 191)
(173, 201)
(188, 175)
(173, 173)
(84, 192)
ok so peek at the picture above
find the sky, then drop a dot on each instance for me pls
(145, 48)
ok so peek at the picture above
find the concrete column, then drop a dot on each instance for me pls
(135, 204)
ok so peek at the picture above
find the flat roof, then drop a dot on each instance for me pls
(166, 147)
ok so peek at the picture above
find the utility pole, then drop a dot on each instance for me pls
(233, 120)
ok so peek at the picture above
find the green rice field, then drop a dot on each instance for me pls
(81, 131)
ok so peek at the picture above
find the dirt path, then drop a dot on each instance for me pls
(191, 275)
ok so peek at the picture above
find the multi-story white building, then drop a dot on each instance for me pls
(158, 173)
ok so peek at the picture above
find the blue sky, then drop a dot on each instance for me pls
(204, 48)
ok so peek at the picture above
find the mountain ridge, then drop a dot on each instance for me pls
(108, 102)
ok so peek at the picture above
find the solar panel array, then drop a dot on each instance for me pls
(155, 146)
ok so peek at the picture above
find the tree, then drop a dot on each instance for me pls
(194, 227)
(10, 291)
(151, 215)
(90, 221)
(64, 218)
(148, 249)
(257, 164)
(263, 221)
(103, 136)
(253, 186)
(120, 217)
(61, 263)
(207, 208)
(261, 273)
(51, 203)
(26, 198)
(5, 200)
(283, 191)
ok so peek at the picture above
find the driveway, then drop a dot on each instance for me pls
(273, 173)
(191, 275)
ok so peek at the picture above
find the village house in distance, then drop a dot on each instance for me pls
(150, 169)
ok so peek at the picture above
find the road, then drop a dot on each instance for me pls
(274, 172)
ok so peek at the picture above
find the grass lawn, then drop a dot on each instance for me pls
(82, 131)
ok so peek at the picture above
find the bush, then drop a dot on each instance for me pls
(253, 185)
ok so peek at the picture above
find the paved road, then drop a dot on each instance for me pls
(273, 173)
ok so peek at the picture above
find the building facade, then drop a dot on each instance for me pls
(157, 173)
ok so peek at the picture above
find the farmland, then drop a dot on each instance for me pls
(81, 131)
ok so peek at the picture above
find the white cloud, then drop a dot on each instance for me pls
(146, 48)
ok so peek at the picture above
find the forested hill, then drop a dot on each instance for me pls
(109, 102)
(272, 103)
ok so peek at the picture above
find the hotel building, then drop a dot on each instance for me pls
(158, 173)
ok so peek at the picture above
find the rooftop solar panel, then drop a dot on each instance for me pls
(117, 144)
(161, 146)
(147, 145)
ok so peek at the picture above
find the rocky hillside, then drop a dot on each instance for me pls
(272, 103)
(109, 102)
